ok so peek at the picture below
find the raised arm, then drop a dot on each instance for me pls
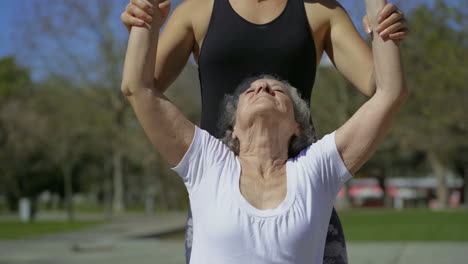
(167, 128)
(358, 138)
(346, 48)
(175, 43)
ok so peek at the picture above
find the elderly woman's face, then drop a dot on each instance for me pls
(265, 97)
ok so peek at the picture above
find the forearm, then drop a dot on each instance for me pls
(166, 127)
(358, 138)
(140, 58)
(346, 48)
(388, 72)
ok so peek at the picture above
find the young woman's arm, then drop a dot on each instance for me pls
(175, 42)
(347, 49)
(167, 128)
(357, 139)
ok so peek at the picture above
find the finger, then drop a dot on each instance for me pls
(125, 22)
(144, 5)
(366, 24)
(130, 21)
(386, 11)
(392, 19)
(135, 11)
(394, 28)
(399, 35)
(165, 7)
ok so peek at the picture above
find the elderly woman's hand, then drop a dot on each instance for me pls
(392, 24)
(138, 13)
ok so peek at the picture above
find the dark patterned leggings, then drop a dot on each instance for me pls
(335, 246)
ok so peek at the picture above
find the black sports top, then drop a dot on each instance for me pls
(234, 49)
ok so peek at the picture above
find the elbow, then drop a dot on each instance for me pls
(395, 96)
(402, 95)
(397, 99)
(130, 87)
(125, 88)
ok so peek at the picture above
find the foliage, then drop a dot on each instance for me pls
(13, 78)
(430, 131)
(434, 120)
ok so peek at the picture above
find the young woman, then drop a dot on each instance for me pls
(235, 39)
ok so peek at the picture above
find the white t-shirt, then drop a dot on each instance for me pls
(227, 229)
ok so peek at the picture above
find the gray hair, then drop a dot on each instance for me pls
(301, 114)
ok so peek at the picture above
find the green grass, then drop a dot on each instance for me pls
(407, 225)
(17, 230)
(359, 225)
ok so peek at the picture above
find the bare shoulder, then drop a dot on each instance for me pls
(321, 14)
(195, 8)
(200, 15)
(189, 9)
(325, 10)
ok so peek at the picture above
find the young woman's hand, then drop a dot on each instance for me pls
(138, 13)
(392, 24)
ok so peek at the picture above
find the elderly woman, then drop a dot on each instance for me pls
(234, 39)
(265, 195)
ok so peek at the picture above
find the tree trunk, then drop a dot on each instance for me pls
(465, 186)
(388, 173)
(33, 208)
(12, 201)
(67, 173)
(439, 171)
(118, 197)
(108, 198)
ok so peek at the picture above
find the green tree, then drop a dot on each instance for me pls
(434, 119)
(13, 79)
(21, 136)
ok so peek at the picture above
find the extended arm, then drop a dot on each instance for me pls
(175, 43)
(358, 138)
(169, 131)
(346, 48)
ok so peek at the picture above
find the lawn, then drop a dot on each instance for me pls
(16, 229)
(359, 225)
(407, 225)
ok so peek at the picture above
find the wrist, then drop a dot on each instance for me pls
(157, 15)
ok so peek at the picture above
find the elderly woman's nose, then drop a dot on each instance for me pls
(263, 86)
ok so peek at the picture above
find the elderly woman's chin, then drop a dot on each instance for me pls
(269, 105)
(269, 110)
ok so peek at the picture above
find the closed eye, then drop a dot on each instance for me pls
(279, 90)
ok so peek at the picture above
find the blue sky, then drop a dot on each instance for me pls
(9, 10)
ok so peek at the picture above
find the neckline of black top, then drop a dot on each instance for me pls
(259, 25)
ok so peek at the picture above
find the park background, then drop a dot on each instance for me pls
(73, 152)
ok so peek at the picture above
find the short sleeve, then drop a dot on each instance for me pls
(204, 151)
(323, 163)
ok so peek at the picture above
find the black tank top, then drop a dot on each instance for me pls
(235, 49)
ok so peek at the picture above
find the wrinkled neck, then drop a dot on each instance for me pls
(264, 143)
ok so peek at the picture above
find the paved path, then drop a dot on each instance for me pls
(121, 242)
